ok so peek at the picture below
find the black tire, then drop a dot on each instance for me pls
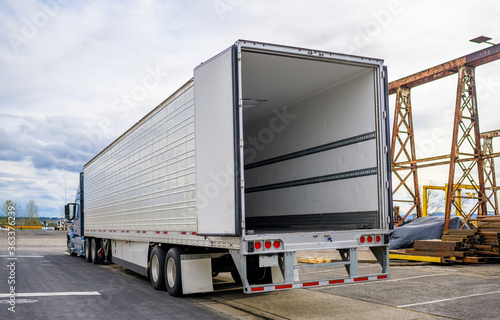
(157, 268)
(68, 244)
(94, 249)
(88, 255)
(173, 279)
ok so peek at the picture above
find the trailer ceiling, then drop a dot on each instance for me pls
(278, 81)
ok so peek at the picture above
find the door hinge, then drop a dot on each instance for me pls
(384, 114)
(242, 143)
(242, 184)
(239, 56)
(383, 74)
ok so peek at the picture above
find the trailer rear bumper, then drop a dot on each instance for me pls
(284, 269)
(312, 284)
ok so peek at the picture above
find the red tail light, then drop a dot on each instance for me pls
(258, 245)
(267, 244)
(276, 244)
(370, 239)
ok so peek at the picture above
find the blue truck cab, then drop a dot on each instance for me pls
(74, 214)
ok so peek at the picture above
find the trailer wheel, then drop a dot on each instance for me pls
(173, 278)
(88, 255)
(157, 268)
(94, 250)
(68, 244)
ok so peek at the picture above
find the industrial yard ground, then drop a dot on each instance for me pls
(49, 284)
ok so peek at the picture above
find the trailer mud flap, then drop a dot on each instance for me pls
(196, 274)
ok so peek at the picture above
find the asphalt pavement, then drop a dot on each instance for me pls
(50, 284)
(57, 286)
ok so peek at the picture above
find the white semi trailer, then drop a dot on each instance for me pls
(269, 150)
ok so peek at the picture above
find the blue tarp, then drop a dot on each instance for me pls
(424, 228)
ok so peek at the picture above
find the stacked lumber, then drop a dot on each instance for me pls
(468, 236)
(450, 250)
(466, 246)
(489, 235)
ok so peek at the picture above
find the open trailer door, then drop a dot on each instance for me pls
(218, 184)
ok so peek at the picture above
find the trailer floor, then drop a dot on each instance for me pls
(413, 292)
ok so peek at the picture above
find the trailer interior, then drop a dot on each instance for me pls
(310, 151)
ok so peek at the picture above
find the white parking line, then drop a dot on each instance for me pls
(52, 294)
(422, 276)
(19, 256)
(449, 299)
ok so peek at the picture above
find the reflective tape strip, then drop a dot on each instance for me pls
(336, 281)
(285, 286)
(361, 279)
(310, 284)
(144, 232)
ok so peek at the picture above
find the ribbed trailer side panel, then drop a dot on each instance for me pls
(145, 181)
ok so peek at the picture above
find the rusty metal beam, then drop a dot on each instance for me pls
(403, 151)
(399, 165)
(465, 138)
(489, 172)
(490, 134)
(448, 68)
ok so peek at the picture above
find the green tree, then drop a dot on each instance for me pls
(32, 218)
(20, 218)
(4, 211)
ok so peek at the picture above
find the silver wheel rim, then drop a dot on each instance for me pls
(92, 252)
(171, 272)
(155, 268)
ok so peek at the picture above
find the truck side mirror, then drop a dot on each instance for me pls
(69, 211)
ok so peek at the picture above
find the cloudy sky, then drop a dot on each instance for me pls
(74, 75)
